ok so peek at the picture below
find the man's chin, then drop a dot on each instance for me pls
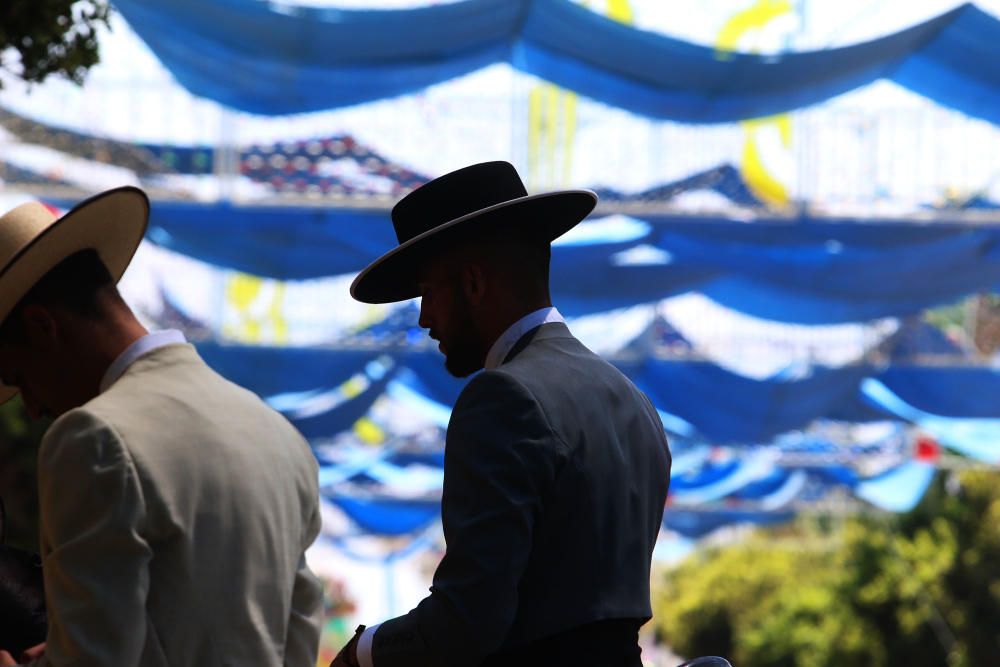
(461, 368)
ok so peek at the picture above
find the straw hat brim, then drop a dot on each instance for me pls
(113, 223)
(392, 277)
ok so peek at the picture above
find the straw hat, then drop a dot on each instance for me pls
(488, 196)
(33, 241)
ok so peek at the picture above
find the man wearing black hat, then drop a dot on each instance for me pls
(556, 466)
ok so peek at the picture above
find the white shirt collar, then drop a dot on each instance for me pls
(144, 345)
(505, 343)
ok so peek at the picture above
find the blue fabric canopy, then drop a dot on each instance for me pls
(714, 482)
(698, 522)
(808, 270)
(725, 180)
(720, 405)
(303, 383)
(976, 438)
(754, 488)
(388, 516)
(277, 59)
(268, 371)
(899, 489)
(726, 407)
(278, 242)
(958, 392)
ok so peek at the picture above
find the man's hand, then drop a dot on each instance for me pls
(35, 651)
(6, 659)
(348, 656)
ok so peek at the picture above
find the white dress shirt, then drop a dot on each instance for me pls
(142, 346)
(498, 352)
(508, 339)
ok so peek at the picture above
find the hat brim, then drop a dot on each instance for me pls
(113, 223)
(393, 276)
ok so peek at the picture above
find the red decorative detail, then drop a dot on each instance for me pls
(926, 448)
(55, 210)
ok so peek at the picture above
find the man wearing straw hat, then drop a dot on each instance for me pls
(175, 506)
(556, 466)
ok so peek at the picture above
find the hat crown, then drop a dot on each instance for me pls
(455, 195)
(20, 226)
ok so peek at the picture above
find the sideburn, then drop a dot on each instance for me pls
(465, 347)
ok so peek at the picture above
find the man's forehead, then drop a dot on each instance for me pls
(433, 268)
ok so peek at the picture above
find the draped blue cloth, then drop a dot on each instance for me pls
(341, 417)
(388, 516)
(715, 482)
(952, 391)
(725, 179)
(765, 486)
(290, 243)
(977, 438)
(696, 523)
(823, 271)
(726, 407)
(808, 270)
(429, 376)
(898, 489)
(721, 406)
(313, 374)
(268, 371)
(276, 59)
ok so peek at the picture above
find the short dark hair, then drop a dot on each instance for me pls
(75, 284)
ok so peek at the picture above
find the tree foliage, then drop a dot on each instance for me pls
(43, 37)
(921, 590)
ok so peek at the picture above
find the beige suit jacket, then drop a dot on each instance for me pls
(176, 508)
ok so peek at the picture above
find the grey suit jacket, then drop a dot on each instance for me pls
(556, 474)
(176, 508)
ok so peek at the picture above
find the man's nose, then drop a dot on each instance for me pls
(425, 319)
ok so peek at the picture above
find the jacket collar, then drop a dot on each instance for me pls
(539, 333)
(501, 348)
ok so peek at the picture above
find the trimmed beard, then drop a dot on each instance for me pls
(465, 354)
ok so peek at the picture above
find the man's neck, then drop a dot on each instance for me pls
(111, 338)
(505, 318)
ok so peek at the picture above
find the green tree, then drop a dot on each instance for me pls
(43, 37)
(768, 601)
(920, 589)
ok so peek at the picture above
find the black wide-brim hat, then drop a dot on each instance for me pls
(488, 196)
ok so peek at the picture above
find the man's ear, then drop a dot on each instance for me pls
(39, 325)
(474, 283)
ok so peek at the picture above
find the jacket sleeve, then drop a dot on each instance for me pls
(501, 458)
(302, 640)
(95, 560)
